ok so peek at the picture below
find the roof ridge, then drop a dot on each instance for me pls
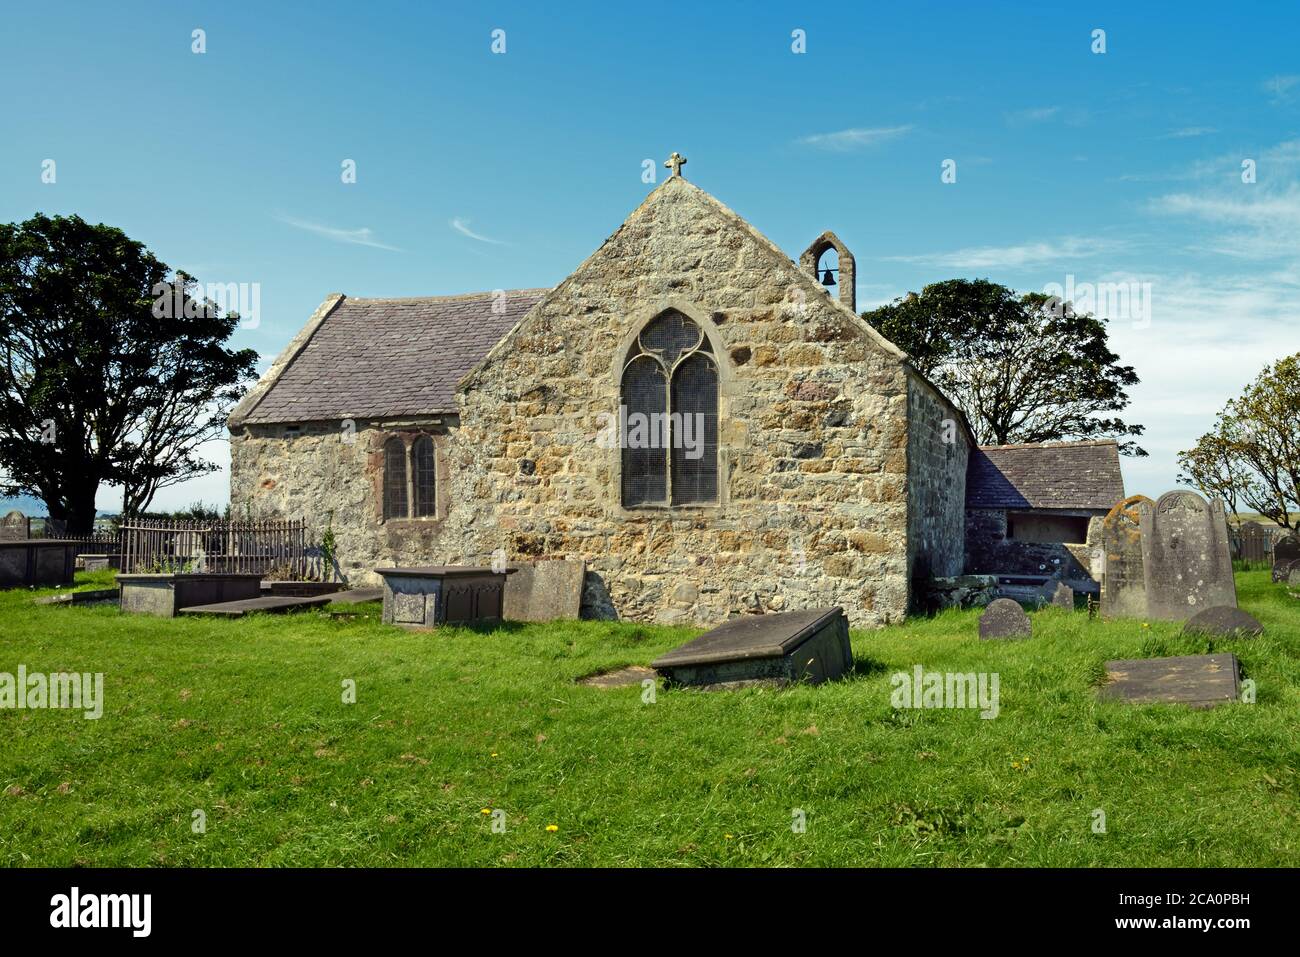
(1073, 443)
(456, 297)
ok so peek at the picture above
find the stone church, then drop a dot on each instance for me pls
(442, 430)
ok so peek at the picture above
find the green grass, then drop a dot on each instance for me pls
(244, 720)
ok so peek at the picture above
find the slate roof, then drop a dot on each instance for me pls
(387, 357)
(1073, 475)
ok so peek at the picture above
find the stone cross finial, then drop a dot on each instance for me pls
(675, 163)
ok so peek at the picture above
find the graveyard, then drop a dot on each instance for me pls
(480, 746)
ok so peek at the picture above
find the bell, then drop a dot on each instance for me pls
(827, 278)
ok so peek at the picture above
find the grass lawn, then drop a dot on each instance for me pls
(245, 721)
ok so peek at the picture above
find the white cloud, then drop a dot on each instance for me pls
(1025, 254)
(1189, 131)
(357, 237)
(1280, 87)
(462, 226)
(1039, 114)
(852, 139)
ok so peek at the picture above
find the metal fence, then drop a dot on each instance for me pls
(1253, 542)
(273, 547)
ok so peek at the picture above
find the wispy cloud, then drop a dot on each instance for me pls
(1189, 131)
(1039, 114)
(357, 237)
(1281, 87)
(843, 141)
(1007, 257)
(462, 226)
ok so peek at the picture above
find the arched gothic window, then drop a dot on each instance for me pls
(423, 478)
(669, 415)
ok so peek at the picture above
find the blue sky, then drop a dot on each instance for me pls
(479, 171)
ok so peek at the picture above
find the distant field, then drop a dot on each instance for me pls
(243, 720)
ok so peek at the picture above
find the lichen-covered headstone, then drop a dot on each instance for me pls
(13, 527)
(1186, 558)
(1223, 622)
(1123, 582)
(1005, 618)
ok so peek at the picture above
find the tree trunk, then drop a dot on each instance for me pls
(80, 511)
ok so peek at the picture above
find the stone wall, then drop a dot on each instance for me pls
(813, 432)
(938, 448)
(990, 552)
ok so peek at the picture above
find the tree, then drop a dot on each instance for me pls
(1252, 455)
(1023, 368)
(112, 370)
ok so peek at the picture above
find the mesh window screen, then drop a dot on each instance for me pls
(645, 472)
(695, 417)
(423, 478)
(395, 479)
(670, 335)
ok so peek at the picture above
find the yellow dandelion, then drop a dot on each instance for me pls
(727, 836)
(494, 754)
(486, 810)
(552, 827)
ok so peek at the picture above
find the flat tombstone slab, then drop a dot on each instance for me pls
(1004, 618)
(1201, 681)
(430, 595)
(1223, 622)
(1186, 557)
(14, 527)
(1123, 580)
(545, 590)
(792, 646)
(165, 595)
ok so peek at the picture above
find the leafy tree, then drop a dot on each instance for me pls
(1252, 455)
(110, 371)
(1024, 368)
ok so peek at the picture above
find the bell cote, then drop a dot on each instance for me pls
(837, 272)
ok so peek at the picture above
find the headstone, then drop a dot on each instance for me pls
(1005, 618)
(1201, 681)
(1059, 594)
(1186, 559)
(1252, 542)
(1285, 552)
(1282, 570)
(1223, 622)
(1123, 582)
(13, 527)
(787, 647)
(545, 590)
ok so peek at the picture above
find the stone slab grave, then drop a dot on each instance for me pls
(1186, 556)
(782, 648)
(270, 604)
(1123, 580)
(164, 595)
(1282, 570)
(1005, 618)
(1200, 681)
(1223, 622)
(355, 596)
(37, 562)
(619, 677)
(431, 595)
(546, 590)
(89, 596)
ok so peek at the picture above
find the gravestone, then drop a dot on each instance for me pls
(13, 527)
(1056, 593)
(1253, 542)
(1123, 582)
(1201, 681)
(545, 590)
(1004, 618)
(1186, 559)
(1285, 553)
(1223, 622)
(787, 647)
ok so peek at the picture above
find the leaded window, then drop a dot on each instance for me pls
(410, 481)
(423, 478)
(669, 415)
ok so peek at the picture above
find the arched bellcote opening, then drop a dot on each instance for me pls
(840, 267)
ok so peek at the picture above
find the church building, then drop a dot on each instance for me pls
(690, 412)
